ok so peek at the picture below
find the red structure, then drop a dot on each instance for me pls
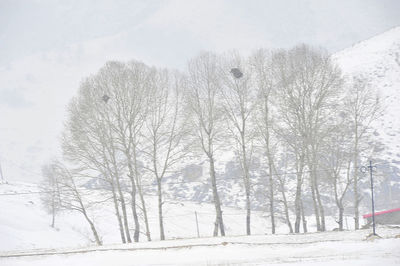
(385, 217)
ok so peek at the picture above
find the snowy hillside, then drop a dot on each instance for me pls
(378, 59)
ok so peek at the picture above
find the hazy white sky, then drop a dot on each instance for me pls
(48, 46)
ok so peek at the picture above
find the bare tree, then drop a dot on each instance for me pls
(239, 102)
(310, 83)
(129, 90)
(282, 183)
(202, 100)
(261, 66)
(71, 197)
(89, 142)
(362, 104)
(337, 158)
(165, 128)
(50, 191)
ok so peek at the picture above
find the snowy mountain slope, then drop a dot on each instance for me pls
(378, 59)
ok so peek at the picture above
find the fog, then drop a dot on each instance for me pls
(48, 47)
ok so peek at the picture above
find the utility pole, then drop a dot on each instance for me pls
(365, 169)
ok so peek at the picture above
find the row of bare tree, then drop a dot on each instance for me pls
(130, 122)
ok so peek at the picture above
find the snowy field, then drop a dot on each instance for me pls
(27, 239)
(330, 248)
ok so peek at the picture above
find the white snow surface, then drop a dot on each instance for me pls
(330, 248)
(27, 239)
(378, 59)
(25, 225)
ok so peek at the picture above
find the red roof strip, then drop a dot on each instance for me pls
(382, 212)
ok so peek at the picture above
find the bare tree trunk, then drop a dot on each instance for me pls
(134, 210)
(82, 209)
(131, 176)
(355, 184)
(215, 232)
(124, 213)
(146, 220)
(118, 215)
(313, 185)
(298, 200)
(341, 211)
(216, 197)
(338, 203)
(53, 211)
(297, 204)
(246, 178)
(271, 198)
(285, 204)
(160, 212)
(93, 228)
(321, 207)
(303, 217)
(315, 204)
(248, 212)
(139, 186)
(271, 167)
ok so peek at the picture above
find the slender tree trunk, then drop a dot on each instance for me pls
(355, 184)
(216, 224)
(53, 212)
(248, 212)
(83, 211)
(303, 217)
(92, 227)
(271, 199)
(270, 163)
(138, 184)
(124, 213)
(341, 211)
(298, 201)
(216, 197)
(315, 204)
(118, 215)
(160, 212)
(321, 208)
(246, 178)
(134, 210)
(131, 175)
(285, 204)
(144, 209)
(313, 186)
(297, 204)
(338, 203)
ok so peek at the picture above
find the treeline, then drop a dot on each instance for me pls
(292, 107)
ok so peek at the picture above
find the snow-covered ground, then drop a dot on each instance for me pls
(25, 234)
(330, 248)
(25, 225)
